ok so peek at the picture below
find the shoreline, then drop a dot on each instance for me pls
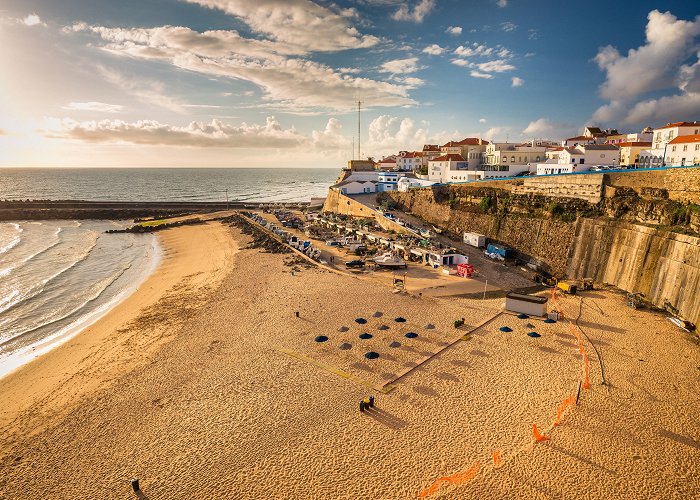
(191, 257)
(28, 353)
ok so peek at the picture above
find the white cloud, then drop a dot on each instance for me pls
(482, 120)
(483, 50)
(454, 30)
(422, 9)
(655, 66)
(461, 62)
(331, 138)
(496, 133)
(146, 90)
(544, 128)
(652, 66)
(434, 50)
(33, 20)
(290, 83)
(300, 23)
(94, 106)
(502, 3)
(496, 66)
(517, 82)
(509, 26)
(477, 74)
(398, 66)
(203, 135)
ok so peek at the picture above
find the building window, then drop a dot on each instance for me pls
(685, 147)
(673, 148)
(512, 159)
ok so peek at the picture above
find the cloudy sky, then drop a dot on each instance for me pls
(257, 83)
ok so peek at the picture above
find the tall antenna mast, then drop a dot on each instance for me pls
(359, 132)
(353, 147)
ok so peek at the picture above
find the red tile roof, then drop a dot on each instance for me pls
(579, 137)
(450, 157)
(414, 154)
(679, 124)
(633, 144)
(685, 139)
(469, 141)
(431, 147)
(388, 160)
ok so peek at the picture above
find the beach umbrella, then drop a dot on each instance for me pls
(534, 335)
(343, 329)
(321, 338)
(360, 321)
(365, 336)
(371, 355)
(345, 346)
(523, 316)
(411, 335)
(378, 314)
(383, 327)
(549, 321)
(429, 326)
(505, 329)
(400, 320)
(395, 344)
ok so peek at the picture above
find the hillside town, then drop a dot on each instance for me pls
(473, 158)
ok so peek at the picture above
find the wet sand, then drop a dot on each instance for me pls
(238, 400)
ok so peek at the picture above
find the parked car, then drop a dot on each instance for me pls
(355, 263)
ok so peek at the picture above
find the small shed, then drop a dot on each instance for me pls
(475, 239)
(532, 305)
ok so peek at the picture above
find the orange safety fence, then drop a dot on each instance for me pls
(456, 479)
(570, 401)
(538, 437)
(497, 458)
(586, 383)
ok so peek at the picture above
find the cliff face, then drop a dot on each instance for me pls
(634, 230)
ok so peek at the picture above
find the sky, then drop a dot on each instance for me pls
(275, 83)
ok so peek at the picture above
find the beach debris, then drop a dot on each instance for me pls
(362, 405)
(371, 355)
(321, 338)
(365, 336)
(550, 321)
(343, 329)
(505, 329)
(371, 401)
(400, 320)
(429, 326)
(523, 316)
(383, 327)
(496, 457)
(411, 335)
(530, 326)
(345, 346)
(360, 321)
(395, 344)
(534, 335)
(538, 437)
(378, 314)
(459, 322)
(296, 313)
(135, 485)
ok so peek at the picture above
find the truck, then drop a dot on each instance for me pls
(475, 239)
(567, 287)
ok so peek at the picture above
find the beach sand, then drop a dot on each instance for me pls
(235, 399)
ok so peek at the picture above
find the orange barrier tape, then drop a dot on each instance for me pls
(538, 437)
(586, 383)
(562, 408)
(459, 478)
(497, 458)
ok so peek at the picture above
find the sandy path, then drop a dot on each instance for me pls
(222, 411)
(195, 257)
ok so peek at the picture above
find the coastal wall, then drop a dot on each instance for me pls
(662, 265)
(345, 205)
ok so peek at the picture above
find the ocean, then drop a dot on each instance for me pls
(56, 277)
(166, 184)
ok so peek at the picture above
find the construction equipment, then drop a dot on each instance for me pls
(567, 287)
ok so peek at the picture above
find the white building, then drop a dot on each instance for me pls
(579, 139)
(506, 160)
(580, 159)
(388, 163)
(664, 135)
(351, 187)
(408, 161)
(388, 181)
(683, 150)
(448, 168)
(471, 149)
(406, 183)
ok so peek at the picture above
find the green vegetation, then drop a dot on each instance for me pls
(422, 170)
(485, 204)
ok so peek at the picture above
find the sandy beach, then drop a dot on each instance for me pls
(205, 384)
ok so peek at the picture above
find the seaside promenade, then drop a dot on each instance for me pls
(212, 387)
